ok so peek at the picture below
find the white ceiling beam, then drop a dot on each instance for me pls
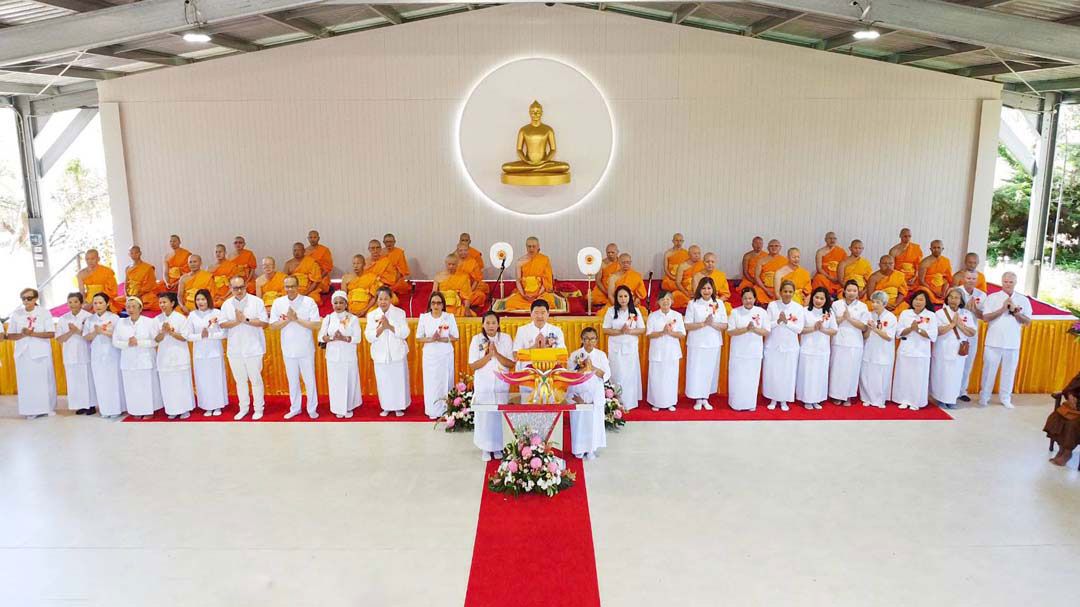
(86, 73)
(1063, 84)
(930, 52)
(996, 68)
(768, 24)
(63, 102)
(848, 38)
(17, 88)
(387, 12)
(682, 12)
(142, 55)
(67, 137)
(79, 6)
(297, 24)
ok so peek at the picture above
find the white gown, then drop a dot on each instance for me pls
(875, 377)
(587, 431)
(946, 364)
(437, 359)
(703, 348)
(812, 378)
(972, 301)
(174, 366)
(34, 374)
(911, 378)
(77, 371)
(845, 359)
(489, 390)
(782, 351)
(623, 354)
(142, 391)
(105, 364)
(342, 363)
(744, 360)
(208, 354)
(665, 352)
(389, 352)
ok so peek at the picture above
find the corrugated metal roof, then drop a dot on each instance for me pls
(18, 12)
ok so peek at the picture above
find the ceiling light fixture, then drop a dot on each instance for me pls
(194, 17)
(196, 36)
(867, 32)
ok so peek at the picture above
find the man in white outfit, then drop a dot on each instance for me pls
(1005, 313)
(973, 300)
(244, 317)
(297, 317)
(537, 334)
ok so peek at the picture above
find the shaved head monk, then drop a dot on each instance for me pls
(466, 239)
(855, 267)
(599, 295)
(907, 256)
(455, 286)
(796, 274)
(535, 280)
(723, 291)
(891, 281)
(359, 286)
(379, 266)
(765, 270)
(935, 274)
(673, 258)
(246, 265)
(396, 255)
(223, 270)
(96, 278)
(308, 274)
(322, 256)
(175, 266)
(750, 260)
(625, 276)
(191, 283)
(971, 264)
(140, 281)
(684, 275)
(270, 284)
(826, 263)
(474, 268)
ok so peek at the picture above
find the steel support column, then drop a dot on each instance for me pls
(31, 190)
(1035, 244)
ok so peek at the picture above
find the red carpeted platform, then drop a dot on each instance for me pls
(278, 406)
(684, 412)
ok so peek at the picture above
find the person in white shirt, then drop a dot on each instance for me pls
(244, 317)
(1006, 312)
(587, 432)
(747, 326)
(296, 316)
(845, 357)
(208, 354)
(134, 336)
(340, 334)
(624, 327)
(786, 319)
(81, 395)
(973, 300)
(917, 330)
(537, 334)
(437, 330)
(489, 351)
(31, 327)
(812, 378)
(105, 358)
(386, 331)
(879, 353)
(665, 331)
(956, 326)
(173, 358)
(705, 322)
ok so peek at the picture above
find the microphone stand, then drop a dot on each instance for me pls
(648, 293)
(502, 291)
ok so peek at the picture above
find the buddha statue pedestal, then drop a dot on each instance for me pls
(534, 179)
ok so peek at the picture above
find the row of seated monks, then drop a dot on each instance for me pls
(900, 273)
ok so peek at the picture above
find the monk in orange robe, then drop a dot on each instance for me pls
(907, 256)
(684, 276)
(379, 266)
(271, 284)
(359, 287)
(140, 281)
(971, 264)
(673, 258)
(798, 275)
(750, 261)
(176, 264)
(626, 276)
(535, 280)
(723, 291)
(455, 286)
(474, 267)
(935, 274)
(191, 283)
(855, 267)
(308, 273)
(245, 263)
(765, 283)
(891, 281)
(223, 270)
(466, 239)
(322, 256)
(599, 294)
(96, 278)
(827, 260)
(396, 256)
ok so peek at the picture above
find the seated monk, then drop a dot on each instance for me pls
(271, 284)
(474, 267)
(466, 239)
(455, 286)
(176, 265)
(720, 283)
(535, 280)
(223, 270)
(140, 281)
(891, 281)
(827, 261)
(855, 267)
(244, 260)
(796, 274)
(359, 287)
(191, 283)
(379, 266)
(907, 256)
(96, 278)
(626, 276)
(308, 273)
(750, 260)
(935, 274)
(599, 294)
(765, 283)
(684, 274)
(971, 264)
(322, 256)
(396, 256)
(673, 258)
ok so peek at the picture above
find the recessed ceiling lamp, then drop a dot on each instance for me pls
(196, 37)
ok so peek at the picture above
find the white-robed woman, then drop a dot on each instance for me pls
(340, 334)
(786, 319)
(386, 331)
(134, 336)
(105, 357)
(812, 379)
(747, 327)
(956, 326)
(81, 396)
(208, 354)
(624, 327)
(917, 330)
(31, 327)
(174, 358)
(706, 321)
(845, 357)
(665, 332)
(437, 331)
(875, 373)
(587, 431)
(490, 350)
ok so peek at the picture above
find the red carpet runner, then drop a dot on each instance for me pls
(534, 550)
(684, 412)
(278, 406)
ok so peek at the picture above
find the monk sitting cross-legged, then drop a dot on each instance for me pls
(935, 274)
(223, 270)
(720, 283)
(245, 263)
(455, 286)
(396, 257)
(906, 256)
(322, 256)
(360, 287)
(379, 266)
(535, 280)
(855, 267)
(271, 284)
(599, 294)
(889, 280)
(765, 282)
(140, 282)
(474, 267)
(673, 258)
(626, 276)
(307, 272)
(684, 275)
(795, 274)
(750, 260)
(971, 264)
(191, 283)
(827, 262)
(96, 278)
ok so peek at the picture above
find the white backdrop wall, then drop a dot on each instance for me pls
(721, 137)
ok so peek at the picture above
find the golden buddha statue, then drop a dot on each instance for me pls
(536, 151)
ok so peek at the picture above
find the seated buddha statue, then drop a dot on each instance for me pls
(536, 152)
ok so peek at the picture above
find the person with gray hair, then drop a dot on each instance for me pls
(973, 299)
(1006, 312)
(295, 317)
(879, 352)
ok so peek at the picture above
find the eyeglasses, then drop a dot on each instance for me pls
(29, 298)
(238, 287)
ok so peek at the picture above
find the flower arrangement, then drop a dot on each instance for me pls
(614, 411)
(529, 465)
(459, 416)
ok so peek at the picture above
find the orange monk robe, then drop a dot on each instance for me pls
(598, 295)
(908, 262)
(176, 267)
(361, 290)
(203, 279)
(723, 291)
(385, 273)
(140, 281)
(768, 278)
(322, 256)
(677, 258)
(306, 273)
(748, 271)
(474, 267)
(534, 273)
(938, 275)
(895, 286)
(830, 262)
(457, 291)
(980, 284)
(477, 255)
(678, 299)
(102, 280)
(224, 271)
(396, 258)
(631, 279)
(273, 288)
(244, 261)
(859, 271)
(801, 278)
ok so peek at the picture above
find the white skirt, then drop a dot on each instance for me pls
(875, 383)
(844, 372)
(142, 392)
(343, 380)
(946, 379)
(36, 381)
(108, 385)
(392, 383)
(663, 383)
(210, 383)
(80, 386)
(587, 431)
(911, 380)
(778, 378)
(438, 377)
(176, 391)
(812, 378)
(626, 373)
(488, 425)
(744, 374)
(702, 372)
